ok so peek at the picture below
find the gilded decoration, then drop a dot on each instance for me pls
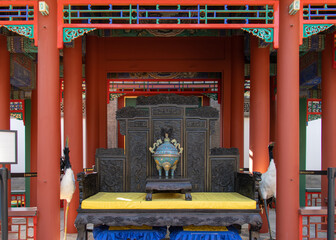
(17, 115)
(163, 75)
(312, 29)
(265, 34)
(113, 96)
(213, 96)
(70, 34)
(24, 30)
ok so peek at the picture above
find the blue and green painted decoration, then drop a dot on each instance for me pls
(162, 14)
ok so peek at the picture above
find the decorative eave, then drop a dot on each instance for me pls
(265, 34)
(312, 29)
(23, 30)
(70, 34)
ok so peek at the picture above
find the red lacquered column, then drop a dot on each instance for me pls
(73, 118)
(259, 106)
(287, 135)
(49, 129)
(5, 94)
(237, 96)
(92, 102)
(259, 111)
(225, 108)
(328, 112)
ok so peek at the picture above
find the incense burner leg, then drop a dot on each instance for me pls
(159, 168)
(188, 196)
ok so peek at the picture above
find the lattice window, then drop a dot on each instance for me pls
(17, 13)
(314, 109)
(162, 14)
(319, 12)
(313, 199)
(22, 228)
(314, 227)
(18, 200)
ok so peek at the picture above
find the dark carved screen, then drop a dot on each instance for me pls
(191, 126)
(137, 160)
(223, 165)
(196, 164)
(110, 164)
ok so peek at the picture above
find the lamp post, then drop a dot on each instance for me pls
(331, 203)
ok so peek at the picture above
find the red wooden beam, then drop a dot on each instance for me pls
(62, 3)
(319, 2)
(168, 26)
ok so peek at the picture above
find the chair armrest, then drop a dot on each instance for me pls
(248, 184)
(88, 185)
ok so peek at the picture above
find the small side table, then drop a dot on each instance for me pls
(174, 185)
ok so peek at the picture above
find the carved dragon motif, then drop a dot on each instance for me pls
(155, 145)
(177, 145)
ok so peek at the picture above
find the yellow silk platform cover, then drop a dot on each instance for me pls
(200, 200)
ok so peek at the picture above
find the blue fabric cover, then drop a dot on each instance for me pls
(177, 233)
(103, 233)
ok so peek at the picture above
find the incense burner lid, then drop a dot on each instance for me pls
(167, 149)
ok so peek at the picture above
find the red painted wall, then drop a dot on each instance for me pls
(179, 54)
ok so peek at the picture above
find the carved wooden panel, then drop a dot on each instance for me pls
(195, 123)
(110, 165)
(138, 124)
(170, 111)
(111, 175)
(195, 163)
(167, 99)
(137, 160)
(176, 125)
(223, 170)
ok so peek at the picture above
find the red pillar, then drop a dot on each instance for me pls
(287, 224)
(259, 106)
(5, 93)
(328, 112)
(4, 84)
(92, 102)
(259, 111)
(225, 109)
(73, 118)
(49, 131)
(237, 96)
(272, 109)
(102, 98)
(33, 153)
